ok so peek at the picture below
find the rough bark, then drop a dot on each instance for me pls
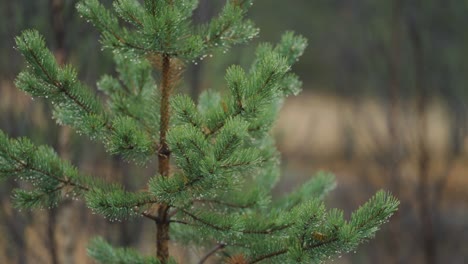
(162, 222)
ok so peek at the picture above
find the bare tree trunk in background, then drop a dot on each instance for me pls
(15, 222)
(129, 232)
(428, 243)
(58, 25)
(11, 31)
(394, 95)
(394, 164)
(202, 14)
(56, 7)
(52, 245)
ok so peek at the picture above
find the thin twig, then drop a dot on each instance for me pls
(172, 213)
(218, 247)
(223, 228)
(179, 222)
(150, 216)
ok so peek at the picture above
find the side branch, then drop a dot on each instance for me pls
(284, 251)
(228, 204)
(64, 181)
(220, 228)
(58, 85)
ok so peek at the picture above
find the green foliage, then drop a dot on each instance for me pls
(317, 187)
(74, 104)
(162, 28)
(117, 204)
(225, 161)
(101, 251)
(49, 177)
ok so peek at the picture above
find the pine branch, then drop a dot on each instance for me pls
(59, 85)
(180, 222)
(317, 187)
(274, 69)
(227, 204)
(106, 22)
(46, 172)
(104, 253)
(131, 11)
(205, 222)
(117, 204)
(133, 93)
(75, 105)
(363, 225)
(229, 28)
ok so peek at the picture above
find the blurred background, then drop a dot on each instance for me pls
(384, 106)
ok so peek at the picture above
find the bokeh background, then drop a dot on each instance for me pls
(384, 106)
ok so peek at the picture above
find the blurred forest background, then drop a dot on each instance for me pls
(384, 106)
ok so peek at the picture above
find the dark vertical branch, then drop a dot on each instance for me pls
(15, 224)
(394, 94)
(51, 225)
(201, 15)
(11, 27)
(393, 120)
(129, 232)
(215, 249)
(56, 7)
(425, 204)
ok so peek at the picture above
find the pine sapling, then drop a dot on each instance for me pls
(217, 162)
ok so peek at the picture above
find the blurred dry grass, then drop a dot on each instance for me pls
(329, 132)
(350, 138)
(318, 126)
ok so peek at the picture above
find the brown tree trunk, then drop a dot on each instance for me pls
(52, 245)
(15, 223)
(62, 141)
(394, 164)
(56, 7)
(162, 222)
(425, 203)
(202, 14)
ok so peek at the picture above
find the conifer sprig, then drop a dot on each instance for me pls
(134, 93)
(117, 204)
(74, 104)
(113, 36)
(49, 177)
(230, 27)
(331, 235)
(103, 252)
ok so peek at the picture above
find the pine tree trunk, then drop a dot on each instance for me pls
(162, 222)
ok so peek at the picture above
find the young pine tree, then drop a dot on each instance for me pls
(217, 162)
